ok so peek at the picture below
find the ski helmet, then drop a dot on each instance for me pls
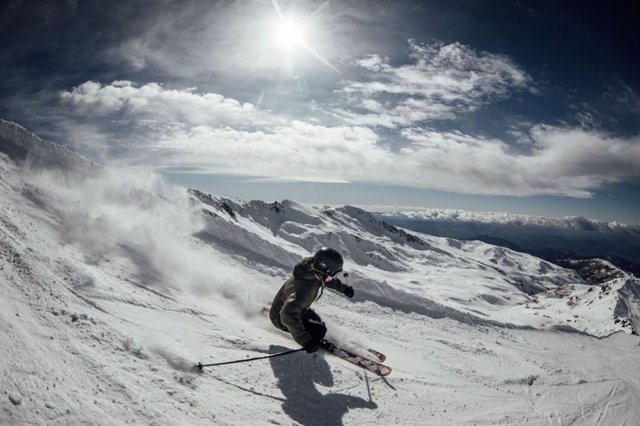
(328, 261)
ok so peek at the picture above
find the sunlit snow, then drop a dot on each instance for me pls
(114, 285)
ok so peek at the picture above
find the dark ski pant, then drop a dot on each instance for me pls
(314, 324)
(311, 322)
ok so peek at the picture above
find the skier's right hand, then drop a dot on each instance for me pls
(312, 346)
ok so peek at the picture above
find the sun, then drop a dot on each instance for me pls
(290, 34)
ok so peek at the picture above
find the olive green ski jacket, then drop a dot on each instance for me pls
(296, 296)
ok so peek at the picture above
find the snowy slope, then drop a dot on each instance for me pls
(114, 284)
(469, 281)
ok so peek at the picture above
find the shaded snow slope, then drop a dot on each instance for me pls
(113, 285)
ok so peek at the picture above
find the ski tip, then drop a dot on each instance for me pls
(381, 357)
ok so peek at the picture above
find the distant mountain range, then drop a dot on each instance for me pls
(553, 239)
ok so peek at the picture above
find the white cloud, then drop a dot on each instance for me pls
(593, 156)
(209, 132)
(570, 162)
(301, 151)
(159, 104)
(443, 80)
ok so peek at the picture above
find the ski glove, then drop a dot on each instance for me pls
(348, 291)
(312, 346)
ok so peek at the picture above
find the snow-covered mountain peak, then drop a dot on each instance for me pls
(272, 215)
(379, 227)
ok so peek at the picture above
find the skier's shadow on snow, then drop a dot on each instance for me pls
(297, 376)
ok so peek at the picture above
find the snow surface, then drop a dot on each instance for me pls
(114, 285)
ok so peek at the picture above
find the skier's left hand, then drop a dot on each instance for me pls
(348, 291)
(312, 346)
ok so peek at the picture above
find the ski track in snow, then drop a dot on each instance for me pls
(91, 337)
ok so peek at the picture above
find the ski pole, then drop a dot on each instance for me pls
(201, 365)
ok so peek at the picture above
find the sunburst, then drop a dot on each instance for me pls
(291, 33)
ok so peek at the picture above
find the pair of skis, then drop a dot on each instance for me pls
(374, 366)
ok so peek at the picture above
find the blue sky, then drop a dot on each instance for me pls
(528, 107)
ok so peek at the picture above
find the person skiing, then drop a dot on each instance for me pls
(291, 311)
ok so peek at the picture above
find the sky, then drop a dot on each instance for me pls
(526, 107)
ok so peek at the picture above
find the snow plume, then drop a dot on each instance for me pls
(134, 217)
(128, 216)
(143, 347)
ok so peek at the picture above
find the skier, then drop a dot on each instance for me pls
(290, 310)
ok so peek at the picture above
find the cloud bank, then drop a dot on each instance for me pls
(456, 215)
(562, 161)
